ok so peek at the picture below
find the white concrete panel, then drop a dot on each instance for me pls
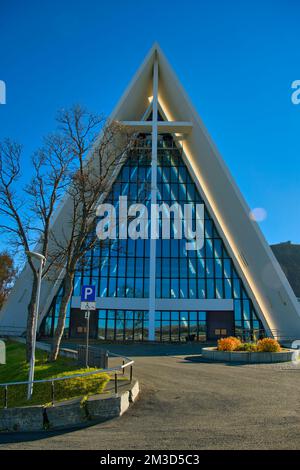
(115, 303)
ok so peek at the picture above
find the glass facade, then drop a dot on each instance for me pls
(196, 274)
(123, 325)
(121, 269)
(180, 326)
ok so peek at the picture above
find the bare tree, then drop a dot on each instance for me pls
(60, 167)
(90, 184)
(26, 209)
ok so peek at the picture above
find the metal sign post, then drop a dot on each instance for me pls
(88, 303)
(87, 316)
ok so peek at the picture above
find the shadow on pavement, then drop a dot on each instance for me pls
(203, 360)
(15, 437)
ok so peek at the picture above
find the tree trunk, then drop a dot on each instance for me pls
(68, 288)
(30, 317)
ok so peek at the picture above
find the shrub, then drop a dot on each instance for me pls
(248, 347)
(229, 344)
(63, 390)
(268, 345)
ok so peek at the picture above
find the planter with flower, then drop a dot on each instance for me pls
(232, 349)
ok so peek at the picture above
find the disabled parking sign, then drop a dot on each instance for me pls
(88, 298)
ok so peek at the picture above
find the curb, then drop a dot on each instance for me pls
(67, 414)
(247, 357)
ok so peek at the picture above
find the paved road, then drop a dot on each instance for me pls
(189, 404)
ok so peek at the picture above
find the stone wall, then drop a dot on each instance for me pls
(69, 413)
(29, 418)
(248, 357)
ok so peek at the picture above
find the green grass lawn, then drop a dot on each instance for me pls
(16, 370)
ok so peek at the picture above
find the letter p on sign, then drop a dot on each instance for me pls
(88, 293)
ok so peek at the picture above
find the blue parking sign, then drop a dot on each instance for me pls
(88, 294)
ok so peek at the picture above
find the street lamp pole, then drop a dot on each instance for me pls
(42, 260)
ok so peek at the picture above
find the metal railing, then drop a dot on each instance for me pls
(282, 336)
(9, 330)
(256, 334)
(126, 362)
(244, 333)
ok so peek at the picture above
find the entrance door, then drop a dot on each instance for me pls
(78, 324)
(219, 325)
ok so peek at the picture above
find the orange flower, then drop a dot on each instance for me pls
(229, 344)
(268, 345)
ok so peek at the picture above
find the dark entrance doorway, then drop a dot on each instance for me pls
(219, 325)
(78, 324)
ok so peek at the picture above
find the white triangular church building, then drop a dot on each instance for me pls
(234, 286)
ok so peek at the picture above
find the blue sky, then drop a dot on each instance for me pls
(236, 60)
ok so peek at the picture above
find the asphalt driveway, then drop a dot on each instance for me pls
(189, 404)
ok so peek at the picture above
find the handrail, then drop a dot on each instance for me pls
(281, 334)
(55, 379)
(12, 327)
